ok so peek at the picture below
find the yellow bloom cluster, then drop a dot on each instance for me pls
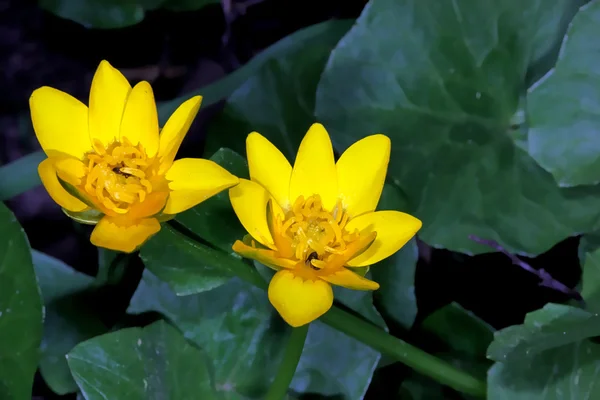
(313, 223)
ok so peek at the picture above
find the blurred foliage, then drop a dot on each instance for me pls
(111, 14)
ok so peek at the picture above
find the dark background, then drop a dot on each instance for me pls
(180, 52)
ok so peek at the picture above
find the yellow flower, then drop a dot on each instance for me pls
(317, 220)
(107, 164)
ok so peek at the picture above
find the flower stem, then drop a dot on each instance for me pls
(360, 330)
(284, 376)
(399, 350)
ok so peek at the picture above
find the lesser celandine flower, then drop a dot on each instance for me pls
(316, 222)
(108, 165)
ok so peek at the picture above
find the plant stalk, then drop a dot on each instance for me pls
(365, 332)
(286, 371)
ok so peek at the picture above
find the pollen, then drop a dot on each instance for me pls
(317, 236)
(118, 175)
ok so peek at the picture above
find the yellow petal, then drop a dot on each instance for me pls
(60, 122)
(269, 167)
(175, 130)
(299, 301)
(152, 205)
(314, 170)
(70, 170)
(350, 280)
(393, 229)
(108, 96)
(194, 180)
(264, 256)
(56, 191)
(124, 235)
(249, 201)
(361, 173)
(140, 120)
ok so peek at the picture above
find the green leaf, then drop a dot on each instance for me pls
(591, 280)
(278, 99)
(463, 336)
(69, 319)
(553, 24)
(214, 220)
(241, 333)
(232, 323)
(223, 88)
(20, 176)
(564, 110)
(187, 268)
(548, 357)
(553, 326)
(141, 363)
(567, 372)
(333, 364)
(20, 311)
(97, 13)
(443, 80)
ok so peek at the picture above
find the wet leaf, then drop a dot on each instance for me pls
(20, 311)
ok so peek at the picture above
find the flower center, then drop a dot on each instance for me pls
(316, 235)
(118, 175)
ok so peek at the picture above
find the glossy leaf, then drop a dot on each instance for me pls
(20, 311)
(141, 363)
(591, 280)
(278, 100)
(214, 220)
(443, 80)
(69, 319)
(187, 268)
(232, 323)
(239, 330)
(550, 327)
(550, 356)
(567, 372)
(564, 107)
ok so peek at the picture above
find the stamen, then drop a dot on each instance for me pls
(119, 175)
(317, 236)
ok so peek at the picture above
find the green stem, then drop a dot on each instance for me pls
(399, 350)
(284, 376)
(363, 331)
